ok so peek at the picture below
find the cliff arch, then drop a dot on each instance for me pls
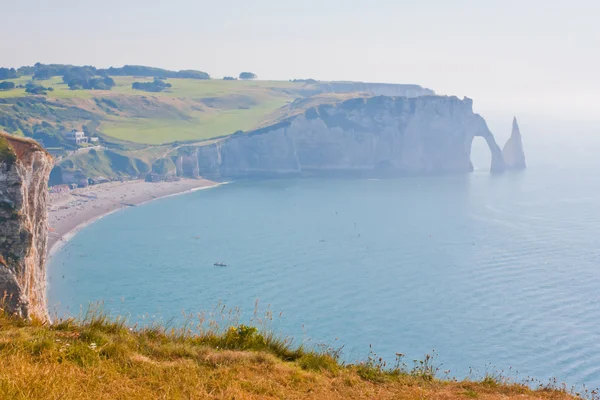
(497, 164)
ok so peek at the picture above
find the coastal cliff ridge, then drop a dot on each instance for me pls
(381, 135)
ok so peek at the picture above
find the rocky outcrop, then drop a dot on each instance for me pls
(24, 171)
(368, 136)
(514, 156)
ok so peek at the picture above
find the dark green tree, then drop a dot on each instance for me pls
(7, 85)
(157, 86)
(247, 75)
(8, 73)
(140, 70)
(25, 71)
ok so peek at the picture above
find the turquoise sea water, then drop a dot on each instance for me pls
(491, 272)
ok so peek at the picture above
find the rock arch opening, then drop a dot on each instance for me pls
(480, 155)
(493, 157)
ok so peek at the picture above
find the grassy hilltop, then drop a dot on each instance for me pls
(138, 127)
(100, 358)
(146, 110)
(190, 110)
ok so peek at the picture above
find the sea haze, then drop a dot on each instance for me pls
(491, 272)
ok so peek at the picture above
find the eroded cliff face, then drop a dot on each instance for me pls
(513, 153)
(24, 171)
(375, 136)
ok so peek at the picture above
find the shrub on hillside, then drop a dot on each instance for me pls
(98, 83)
(7, 85)
(158, 85)
(34, 88)
(247, 75)
(48, 137)
(191, 74)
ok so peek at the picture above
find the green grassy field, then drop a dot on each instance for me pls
(61, 90)
(195, 88)
(197, 109)
(199, 126)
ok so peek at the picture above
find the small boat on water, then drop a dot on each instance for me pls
(220, 264)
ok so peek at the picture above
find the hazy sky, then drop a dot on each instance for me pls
(533, 55)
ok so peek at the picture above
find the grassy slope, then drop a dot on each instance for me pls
(227, 116)
(300, 105)
(7, 155)
(111, 163)
(97, 358)
(209, 108)
(61, 91)
(199, 126)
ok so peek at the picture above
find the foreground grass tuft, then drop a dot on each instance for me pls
(98, 357)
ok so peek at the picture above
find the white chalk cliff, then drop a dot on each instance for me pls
(364, 136)
(514, 156)
(24, 170)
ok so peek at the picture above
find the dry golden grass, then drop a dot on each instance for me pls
(96, 358)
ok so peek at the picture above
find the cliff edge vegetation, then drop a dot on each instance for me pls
(96, 357)
(7, 155)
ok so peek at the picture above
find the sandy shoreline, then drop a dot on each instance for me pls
(70, 212)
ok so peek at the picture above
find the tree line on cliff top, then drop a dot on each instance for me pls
(41, 71)
(89, 77)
